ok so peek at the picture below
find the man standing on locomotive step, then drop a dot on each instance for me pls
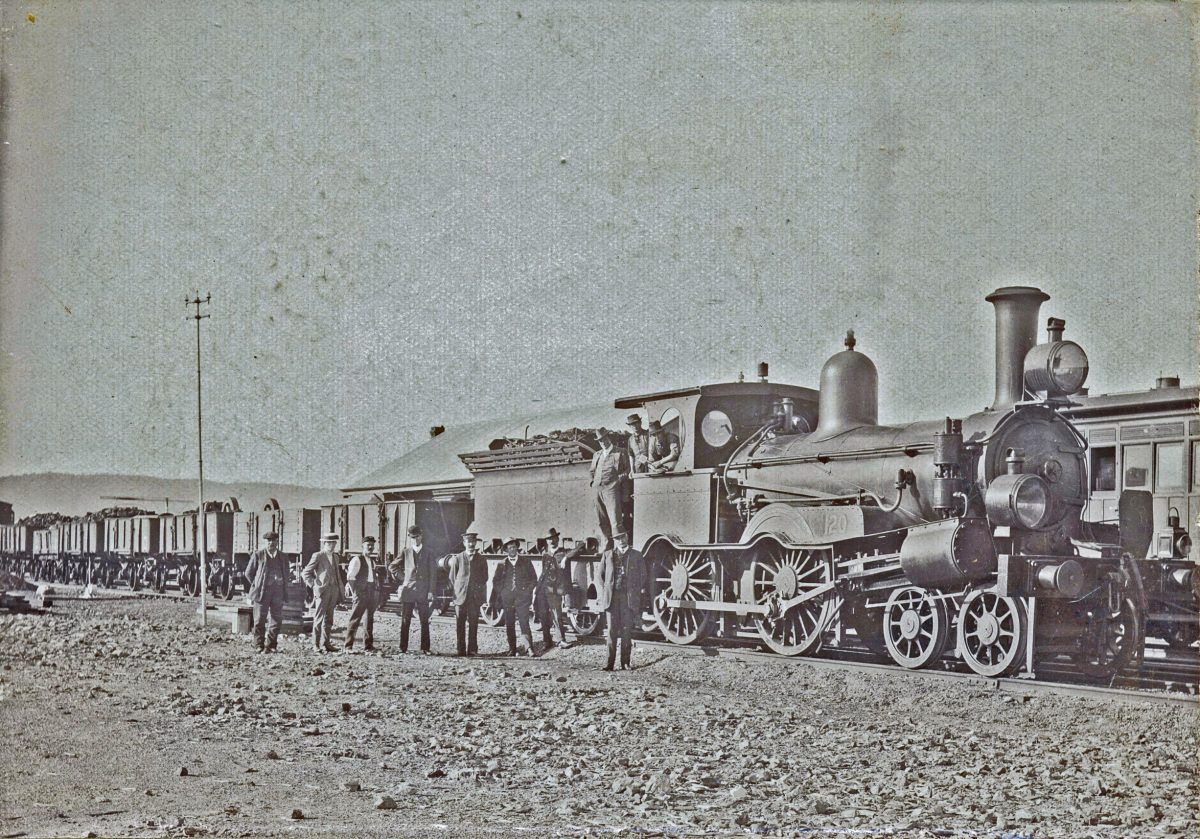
(639, 444)
(619, 592)
(468, 576)
(512, 590)
(363, 592)
(322, 576)
(664, 449)
(267, 574)
(416, 591)
(610, 472)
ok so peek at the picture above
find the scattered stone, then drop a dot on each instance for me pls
(352, 786)
(345, 707)
(437, 773)
(385, 802)
(272, 755)
(183, 771)
(738, 793)
(297, 814)
(561, 679)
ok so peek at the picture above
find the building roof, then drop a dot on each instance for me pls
(436, 463)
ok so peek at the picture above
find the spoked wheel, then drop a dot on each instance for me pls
(1114, 640)
(135, 576)
(992, 632)
(159, 578)
(682, 575)
(916, 627)
(492, 616)
(189, 581)
(584, 622)
(223, 585)
(780, 574)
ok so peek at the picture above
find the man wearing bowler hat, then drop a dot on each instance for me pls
(322, 576)
(267, 573)
(416, 591)
(362, 588)
(512, 590)
(468, 576)
(619, 584)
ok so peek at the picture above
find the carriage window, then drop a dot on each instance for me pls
(1137, 467)
(1104, 469)
(1168, 466)
(1195, 458)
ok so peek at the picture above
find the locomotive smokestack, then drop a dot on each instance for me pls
(1016, 334)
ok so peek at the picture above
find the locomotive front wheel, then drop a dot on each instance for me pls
(992, 632)
(583, 622)
(916, 627)
(780, 574)
(682, 575)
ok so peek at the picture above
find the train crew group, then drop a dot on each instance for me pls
(515, 585)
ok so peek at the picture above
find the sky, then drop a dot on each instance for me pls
(417, 214)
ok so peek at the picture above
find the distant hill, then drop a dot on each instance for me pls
(75, 495)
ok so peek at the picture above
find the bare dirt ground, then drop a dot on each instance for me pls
(103, 704)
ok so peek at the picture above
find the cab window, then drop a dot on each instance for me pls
(1168, 466)
(1136, 467)
(1195, 471)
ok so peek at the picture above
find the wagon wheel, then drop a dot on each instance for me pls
(992, 632)
(135, 576)
(682, 575)
(189, 581)
(780, 574)
(158, 578)
(223, 585)
(916, 627)
(1113, 639)
(584, 622)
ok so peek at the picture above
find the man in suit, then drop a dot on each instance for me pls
(416, 591)
(639, 444)
(609, 474)
(551, 586)
(362, 589)
(619, 592)
(322, 576)
(512, 590)
(468, 576)
(267, 574)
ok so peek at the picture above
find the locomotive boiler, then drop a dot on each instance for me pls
(914, 534)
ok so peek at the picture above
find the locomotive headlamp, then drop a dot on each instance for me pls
(1020, 500)
(1183, 546)
(1058, 367)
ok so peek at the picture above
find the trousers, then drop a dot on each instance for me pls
(362, 604)
(424, 610)
(609, 511)
(323, 621)
(552, 615)
(268, 617)
(512, 616)
(466, 626)
(620, 628)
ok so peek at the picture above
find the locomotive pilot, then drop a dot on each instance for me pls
(512, 590)
(321, 574)
(416, 591)
(468, 577)
(267, 573)
(664, 449)
(619, 592)
(363, 592)
(609, 477)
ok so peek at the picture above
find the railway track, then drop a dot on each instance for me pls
(1166, 677)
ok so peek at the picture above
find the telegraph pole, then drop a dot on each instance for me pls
(201, 519)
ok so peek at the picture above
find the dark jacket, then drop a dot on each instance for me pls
(420, 573)
(258, 568)
(620, 577)
(513, 585)
(468, 576)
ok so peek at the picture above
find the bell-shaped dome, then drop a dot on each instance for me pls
(849, 392)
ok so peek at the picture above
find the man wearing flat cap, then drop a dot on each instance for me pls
(609, 477)
(362, 589)
(322, 576)
(468, 576)
(664, 449)
(267, 574)
(512, 590)
(416, 591)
